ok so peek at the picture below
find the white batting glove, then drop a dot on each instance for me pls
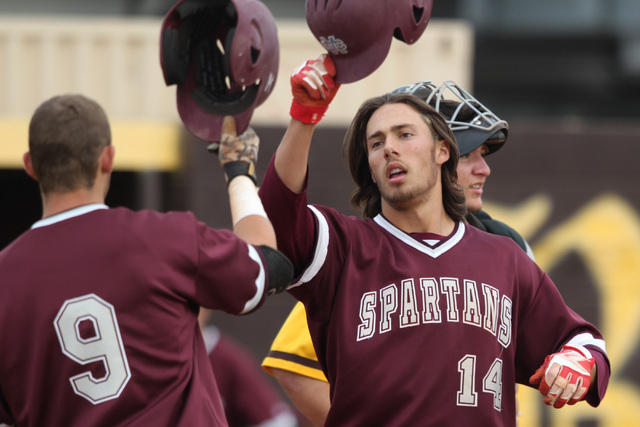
(564, 377)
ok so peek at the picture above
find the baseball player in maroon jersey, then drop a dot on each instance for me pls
(416, 317)
(248, 398)
(99, 307)
(479, 132)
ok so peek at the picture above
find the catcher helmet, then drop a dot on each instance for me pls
(223, 55)
(472, 123)
(358, 34)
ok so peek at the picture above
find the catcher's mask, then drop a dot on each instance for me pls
(358, 33)
(223, 55)
(472, 123)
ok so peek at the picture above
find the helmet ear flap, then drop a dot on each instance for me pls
(176, 43)
(413, 20)
(175, 62)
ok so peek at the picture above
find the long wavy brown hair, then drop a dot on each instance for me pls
(367, 195)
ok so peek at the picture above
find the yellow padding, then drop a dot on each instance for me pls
(140, 145)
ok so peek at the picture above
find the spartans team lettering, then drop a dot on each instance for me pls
(435, 301)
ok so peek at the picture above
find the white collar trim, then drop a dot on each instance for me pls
(447, 243)
(81, 210)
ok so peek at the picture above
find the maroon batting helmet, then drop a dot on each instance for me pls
(223, 55)
(357, 33)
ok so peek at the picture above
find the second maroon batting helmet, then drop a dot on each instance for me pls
(223, 55)
(358, 34)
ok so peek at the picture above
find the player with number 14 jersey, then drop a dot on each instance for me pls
(422, 318)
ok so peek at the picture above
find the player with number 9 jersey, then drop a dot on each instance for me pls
(99, 307)
(95, 286)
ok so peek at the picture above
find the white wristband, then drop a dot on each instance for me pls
(244, 199)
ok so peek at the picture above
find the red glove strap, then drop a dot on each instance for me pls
(307, 114)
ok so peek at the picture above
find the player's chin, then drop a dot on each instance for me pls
(474, 204)
(398, 198)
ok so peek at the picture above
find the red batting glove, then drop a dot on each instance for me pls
(313, 89)
(565, 376)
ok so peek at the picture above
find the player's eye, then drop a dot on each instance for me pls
(375, 144)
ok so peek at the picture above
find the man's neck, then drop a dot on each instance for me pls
(54, 203)
(421, 220)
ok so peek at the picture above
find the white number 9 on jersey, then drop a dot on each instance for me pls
(104, 344)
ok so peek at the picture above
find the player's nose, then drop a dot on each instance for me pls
(481, 167)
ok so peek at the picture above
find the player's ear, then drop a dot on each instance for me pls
(28, 165)
(442, 151)
(106, 158)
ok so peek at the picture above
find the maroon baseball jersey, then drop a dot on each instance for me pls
(99, 317)
(421, 329)
(247, 396)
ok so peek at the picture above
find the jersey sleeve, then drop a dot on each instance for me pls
(231, 274)
(547, 324)
(483, 221)
(293, 222)
(315, 238)
(292, 349)
(603, 373)
(596, 393)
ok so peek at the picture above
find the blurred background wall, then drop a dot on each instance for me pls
(564, 73)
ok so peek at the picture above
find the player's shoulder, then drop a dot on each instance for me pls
(345, 220)
(8, 250)
(335, 219)
(355, 232)
(150, 213)
(480, 244)
(482, 236)
(151, 218)
(170, 229)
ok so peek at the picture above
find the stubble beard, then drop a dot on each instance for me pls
(404, 194)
